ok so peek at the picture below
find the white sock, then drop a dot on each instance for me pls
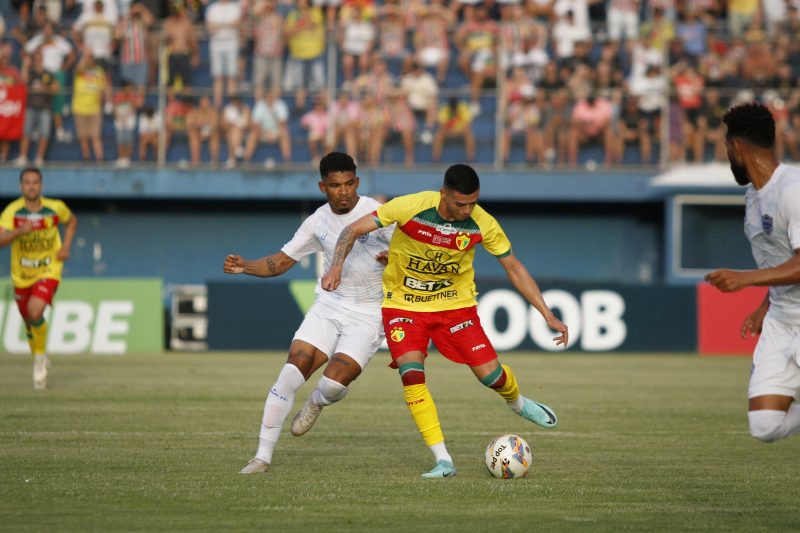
(440, 452)
(769, 425)
(279, 402)
(517, 404)
(328, 391)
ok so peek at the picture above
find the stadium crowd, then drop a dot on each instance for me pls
(542, 82)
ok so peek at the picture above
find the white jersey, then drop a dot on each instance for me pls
(361, 288)
(772, 224)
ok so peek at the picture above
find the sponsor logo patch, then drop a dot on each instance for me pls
(459, 327)
(426, 286)
(401, 319)
(478, 347)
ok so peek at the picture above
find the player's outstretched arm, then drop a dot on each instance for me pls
(787, 273)
(330, 281)
(527, 286)
(266, 267)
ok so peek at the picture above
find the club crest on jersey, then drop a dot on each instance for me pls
(766, 224)
(363, 238)
(397, 334)
(462, 241)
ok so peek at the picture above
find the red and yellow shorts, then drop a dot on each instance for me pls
(44, 289)
(457, 334)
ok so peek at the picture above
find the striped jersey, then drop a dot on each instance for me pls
(33, 255)
(430, 258)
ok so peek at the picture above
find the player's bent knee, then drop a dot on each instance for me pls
(333, 391)
(767, 426)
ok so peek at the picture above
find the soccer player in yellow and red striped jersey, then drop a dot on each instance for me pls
(30, 225)
(429, 294)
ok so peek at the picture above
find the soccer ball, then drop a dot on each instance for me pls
(508, 456)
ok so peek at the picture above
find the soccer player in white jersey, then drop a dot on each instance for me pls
(772, 224)
(342, 329)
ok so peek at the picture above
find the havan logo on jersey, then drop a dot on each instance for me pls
(434, 262)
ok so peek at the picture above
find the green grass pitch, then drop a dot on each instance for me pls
(154, 443)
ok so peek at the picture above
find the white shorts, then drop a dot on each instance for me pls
(776, 361)
(333, 330)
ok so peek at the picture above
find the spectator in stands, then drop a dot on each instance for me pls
(57, 58)
(476, 40)
(522, 114)
(377, 80)
(149, 127)
(9, 75)
(454, 120)
(401, 122)
(392, 47)
(235, 122)
(269, 45)
(591, 123)
(126, 101)
(202, 125)
(223, 21)
(176, 115)
(94, 32)
(650, 92)
(422, 93)
(431, 39)
(132, 35)
(566, 32)
(623, 19)
(110, 9)
(523, 41)
(693, 31)
(27, 29)
(269, 124)
(357, 40)
(316, 122)
(557, 120)
(42, 86)
(345, 116)
(88, 91)
(372, 129)
(689, 87)
(183, 53)
(740, 14)
(658, 31)
(305, 67)
(632, 129)
(710, 126)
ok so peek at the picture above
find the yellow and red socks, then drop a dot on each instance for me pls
(503, 381)
(38, 339)
(423, 409)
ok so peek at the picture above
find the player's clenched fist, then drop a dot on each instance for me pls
(727, 280)
(234, 264)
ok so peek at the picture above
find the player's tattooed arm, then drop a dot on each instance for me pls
(330, 281)
(265, 267)
(343, 246)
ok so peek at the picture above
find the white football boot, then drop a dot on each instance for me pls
(40, 366)
(305, 418)
(255, 466)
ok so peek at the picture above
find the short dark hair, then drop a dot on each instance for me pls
(336, 162)
(35, 170)
(462, 178)
(752, 122)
